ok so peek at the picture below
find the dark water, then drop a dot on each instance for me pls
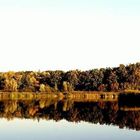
(66, 119)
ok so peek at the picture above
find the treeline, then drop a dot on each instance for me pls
(104, 79)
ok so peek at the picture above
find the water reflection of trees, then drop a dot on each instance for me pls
(93, 112)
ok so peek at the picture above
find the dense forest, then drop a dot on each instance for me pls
(94, 112)
(104, 79)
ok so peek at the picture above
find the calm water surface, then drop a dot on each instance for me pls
(55, 119)
(34, 130)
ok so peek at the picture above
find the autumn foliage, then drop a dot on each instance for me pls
(104, 79)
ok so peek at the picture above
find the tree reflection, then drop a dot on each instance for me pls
(109, 113)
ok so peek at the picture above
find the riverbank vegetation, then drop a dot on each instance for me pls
(105, 79)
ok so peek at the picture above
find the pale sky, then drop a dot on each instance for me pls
(68, 34)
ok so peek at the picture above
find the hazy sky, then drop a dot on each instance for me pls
(68, 34)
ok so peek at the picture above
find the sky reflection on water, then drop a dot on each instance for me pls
(18, 129)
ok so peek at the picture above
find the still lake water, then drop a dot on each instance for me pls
(68, 120)
(43, 130)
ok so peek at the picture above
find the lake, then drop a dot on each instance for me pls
(55, 118)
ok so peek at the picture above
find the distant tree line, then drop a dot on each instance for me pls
(104, 79)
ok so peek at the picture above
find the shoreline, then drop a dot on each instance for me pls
(73, 95)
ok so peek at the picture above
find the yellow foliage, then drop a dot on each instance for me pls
(42, 103)
(42, 88)
(11, 107)
(45, 88)
(9, 74)
(67, 86)
(10, 85)
(32, 82)
(48, 88)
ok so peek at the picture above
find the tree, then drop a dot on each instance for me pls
(42, 88)
(10, 85)
(67, 86)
